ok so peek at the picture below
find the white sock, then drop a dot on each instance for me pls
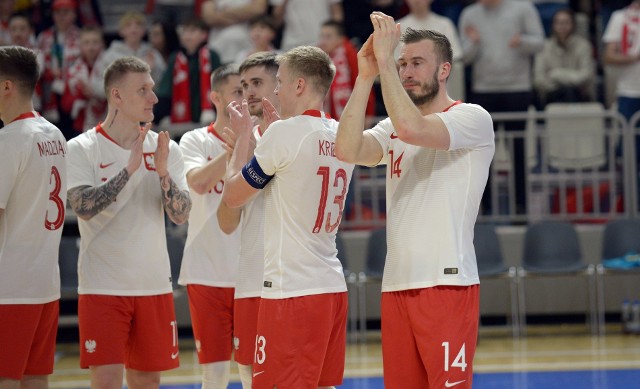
(215, 375)
(246, 375)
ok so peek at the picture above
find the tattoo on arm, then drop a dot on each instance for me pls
(177, 203)
(88, 201)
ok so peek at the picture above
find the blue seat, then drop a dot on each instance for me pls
(552, 249)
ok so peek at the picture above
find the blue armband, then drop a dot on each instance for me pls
(253, 174)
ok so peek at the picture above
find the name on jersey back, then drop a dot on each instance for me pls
(326, 148)
(51, 147)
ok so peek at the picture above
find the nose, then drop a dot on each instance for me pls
(154, 98)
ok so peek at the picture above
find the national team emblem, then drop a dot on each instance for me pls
(180, 109)
(149, 161)
(198, 345)
(236, 342)
(90, 346)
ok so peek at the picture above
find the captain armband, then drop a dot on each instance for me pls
(253, 174)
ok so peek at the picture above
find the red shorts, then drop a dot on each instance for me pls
(301, 342)
(429, 337)
(245, 327)
(212, 321)
(140, 332)
(28, 339)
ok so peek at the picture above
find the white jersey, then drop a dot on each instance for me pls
(624, 29)
(210, 256)
(433, 197)
(251, 264)
(304, 202)
(123, 249)
(33, 194)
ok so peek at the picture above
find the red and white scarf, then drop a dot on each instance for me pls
(181, 95)
(85, 110)
(630, 44)
(342, 85)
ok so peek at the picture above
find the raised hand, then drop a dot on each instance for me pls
(240, 118)
(367, 64)
(161, 158)
(269, 113)
(135, 158)
(386, 35)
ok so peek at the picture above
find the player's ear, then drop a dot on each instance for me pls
(302, 83)
(214, 97)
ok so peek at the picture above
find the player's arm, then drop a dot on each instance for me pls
(352, 144)
(88, 201)
(203, 179)
(244, 178)
(613, 55)
(215, 17)
(176, 202)
(228, 218)
(410, 125)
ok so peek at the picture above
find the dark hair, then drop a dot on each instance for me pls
(268, 59)
(171, 40)
(19, 64)
(440, 41)
(221, 74)
(120, 68)
(335, 24)
(92, 30)
(312, 64)
(572, 16)
(195, 23)
(264, 20)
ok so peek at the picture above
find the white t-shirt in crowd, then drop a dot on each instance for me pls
(433, 198)
(33, 194)
(304, 202)
(302, 21)
(230, 40)
(123, 249)
(210, 256)
(623, 30)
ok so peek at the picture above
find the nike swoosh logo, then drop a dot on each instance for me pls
(175, 355)
(104, 166)
(394, 136)
(258, 373)
(448, 384)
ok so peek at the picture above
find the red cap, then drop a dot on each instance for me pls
(60, 4)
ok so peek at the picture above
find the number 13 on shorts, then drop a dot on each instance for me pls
(261, 355)
(459, 361)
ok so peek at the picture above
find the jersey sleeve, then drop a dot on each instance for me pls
(613, 31)
(192, 150)
(382, 132)
(9, 168)
(470, 127)
(277, 147)
(177, 166)
(79, 167)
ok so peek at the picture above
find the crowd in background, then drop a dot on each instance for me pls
(523, 52)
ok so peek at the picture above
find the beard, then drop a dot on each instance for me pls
(428, 92)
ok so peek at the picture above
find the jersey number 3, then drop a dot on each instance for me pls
(340, 176)
(54, 196)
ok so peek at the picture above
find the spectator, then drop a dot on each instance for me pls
(132, 29)
(547, 9)
(421, 17)
(262, 31)
(6, 10)
(60, 45)
(302, 19)
(622, 40)
(174, 12)
(21, 33)
(450, 8)
(345, 58)
(501, 59)
(164, 38)
(187, 74)
(84, 105)
(565, 70)
(228, 20)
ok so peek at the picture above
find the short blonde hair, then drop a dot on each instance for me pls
(120, 68)
(312, 64)
(129, 17)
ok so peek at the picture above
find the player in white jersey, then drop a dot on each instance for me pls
(438, 152)
(122, 181)
(33, 178)
(300, 340)
(210, 261)
(258, 79)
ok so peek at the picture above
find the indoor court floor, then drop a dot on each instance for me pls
(549, 357)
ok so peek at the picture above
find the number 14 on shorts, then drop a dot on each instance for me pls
(459, 361)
